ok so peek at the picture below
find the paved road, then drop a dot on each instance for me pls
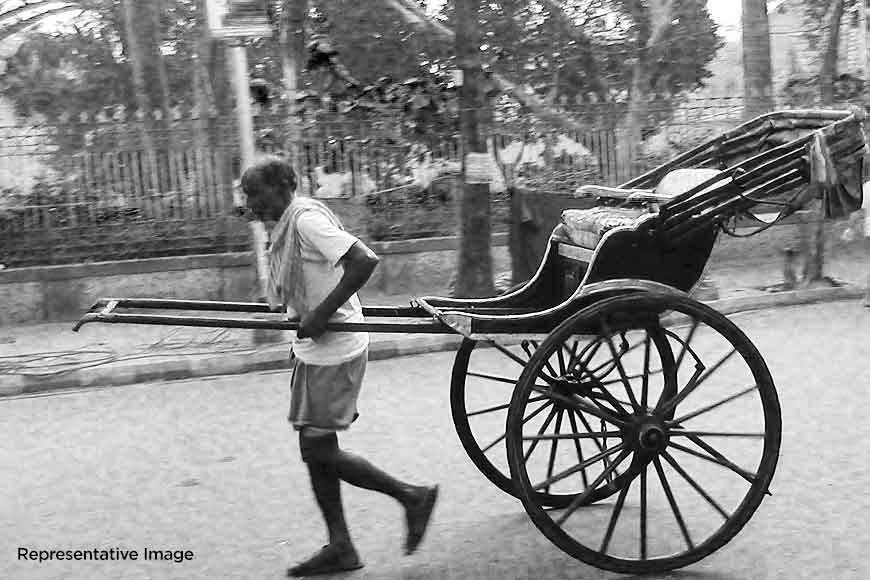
(210, 466)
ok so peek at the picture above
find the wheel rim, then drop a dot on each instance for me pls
(482, 384)
(697, 443)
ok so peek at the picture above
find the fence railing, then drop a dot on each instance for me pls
(123, 187)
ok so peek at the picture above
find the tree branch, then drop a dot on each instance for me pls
(13, 29)
(524, 94)
(27, 7)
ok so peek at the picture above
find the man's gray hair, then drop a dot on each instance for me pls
(268, 173)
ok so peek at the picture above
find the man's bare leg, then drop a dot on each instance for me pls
(325, 458)
(339, 554)
(418, 501)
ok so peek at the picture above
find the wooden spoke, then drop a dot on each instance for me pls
(554, 444)
(577, 445)
(598, 443)
(597, 396)
(614, 517)
(546, 362)
(517, 359)
(571, 355)
(526, 348)
(712, 406)
(554, 436)
(695, 485)
(684, 433)
(578, 404)
(496, 378)
(502, 407)
(543, 428)
(526, 419)
(581, 499)
(620, 447)
(644, 386)
(618, 359)
(535, 413)
(561, 358)
(589, 429)
(643, 514)
(685, 342)
(718, 459)
(617, 406)
(587, 354)
(696, 381)
(673, 503)
(625, 351)
(644, 375)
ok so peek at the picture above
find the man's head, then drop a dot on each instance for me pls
(270, 185)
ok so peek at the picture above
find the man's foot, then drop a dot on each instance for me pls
(330, 559)
(417, 515)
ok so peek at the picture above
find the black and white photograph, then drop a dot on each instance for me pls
(434, 289)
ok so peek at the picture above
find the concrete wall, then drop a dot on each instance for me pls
(64, 293)
(417, 267)
(840, 236)
(426, 266)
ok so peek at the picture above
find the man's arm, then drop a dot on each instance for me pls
(359, 262)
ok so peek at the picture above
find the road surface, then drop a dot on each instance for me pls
(210, 467)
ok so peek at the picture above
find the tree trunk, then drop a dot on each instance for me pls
(293, 15)
(136, 59)
(474, 278)
(202, 94)
(828, 71)
(814, 258)
(757, 76)
(631, 131)
(165, 100)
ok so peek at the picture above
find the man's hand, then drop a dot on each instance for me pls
(358, 264)
(312, 325)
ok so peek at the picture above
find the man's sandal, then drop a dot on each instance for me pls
(329, 560)
(417, 518)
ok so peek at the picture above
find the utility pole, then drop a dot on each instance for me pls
(237, 21)
(241, 85)
(865, 48)
(474, 277)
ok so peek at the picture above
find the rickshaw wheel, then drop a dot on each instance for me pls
(484, 443)
(482, 383)
(694, 426)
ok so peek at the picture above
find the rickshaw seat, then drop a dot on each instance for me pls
(586, 227)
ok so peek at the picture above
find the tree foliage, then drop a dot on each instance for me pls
(568, 51)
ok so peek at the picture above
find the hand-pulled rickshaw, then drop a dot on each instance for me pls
(639, 427)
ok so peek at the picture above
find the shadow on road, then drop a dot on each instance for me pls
(506, 547)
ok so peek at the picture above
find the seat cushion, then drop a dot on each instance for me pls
(680, 181)
(585, 227)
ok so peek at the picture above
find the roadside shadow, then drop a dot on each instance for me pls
(509, 547)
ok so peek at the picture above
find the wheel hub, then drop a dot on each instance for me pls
(652, 437)
(648, 436)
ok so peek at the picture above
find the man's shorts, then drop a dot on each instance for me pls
(323, 399)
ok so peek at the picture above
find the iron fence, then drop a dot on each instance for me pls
(125, 186)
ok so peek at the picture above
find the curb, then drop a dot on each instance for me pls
(276, 358)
